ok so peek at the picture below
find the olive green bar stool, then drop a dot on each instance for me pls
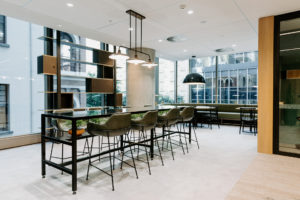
(142, 124)
(167, 120)
(186, 117)
(115, 126)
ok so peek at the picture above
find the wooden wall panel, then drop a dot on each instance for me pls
(22, 140)
(265, 84)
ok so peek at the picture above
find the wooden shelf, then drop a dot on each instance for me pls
(72, 44)
(77, 109)
(84, 62)
(103, 55)
(50, 92)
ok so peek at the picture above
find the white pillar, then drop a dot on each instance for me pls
(141, 81)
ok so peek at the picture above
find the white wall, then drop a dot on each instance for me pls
(18, 68)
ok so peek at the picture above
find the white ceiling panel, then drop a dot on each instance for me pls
(214, 24)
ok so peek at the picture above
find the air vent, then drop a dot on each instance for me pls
(222, 50)
(176, 38)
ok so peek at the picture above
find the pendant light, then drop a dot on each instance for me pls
(194, 79)
(118, 56)
(135, 60)
(149, 64)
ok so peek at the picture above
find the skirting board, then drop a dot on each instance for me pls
(17, 141)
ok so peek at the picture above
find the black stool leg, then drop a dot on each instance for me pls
(180, 141)
(196, 137)
(111, 167)
(157, 143)
(144, 138)
(90, 162)
(62, 156)
(186, 141)
(169, 138)
(132, 159)
(51, 151)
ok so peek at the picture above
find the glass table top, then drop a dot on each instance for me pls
(106, 112)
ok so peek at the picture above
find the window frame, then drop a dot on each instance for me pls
(4, 23)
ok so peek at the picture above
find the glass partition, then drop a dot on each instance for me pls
(288, 126)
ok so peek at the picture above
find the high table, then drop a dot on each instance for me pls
(85, 115)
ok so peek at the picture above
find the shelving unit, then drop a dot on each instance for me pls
(104, 83)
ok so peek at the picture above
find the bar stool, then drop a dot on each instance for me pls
(187, 116)
(167, 121)
(115, 126)
(146, 122)
(62, 127)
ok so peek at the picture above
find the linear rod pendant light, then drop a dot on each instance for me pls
(135, 59)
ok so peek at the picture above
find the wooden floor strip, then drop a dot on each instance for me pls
(269, 177)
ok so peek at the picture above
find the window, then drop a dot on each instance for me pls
(206, 67)
(236, 79)
(2, 29)
(166, 81)
(68, 52)
(182, 89)
(4, 123)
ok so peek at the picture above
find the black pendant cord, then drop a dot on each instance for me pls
(141, 48)
(58, 69)
(135, 35)
(130, 29)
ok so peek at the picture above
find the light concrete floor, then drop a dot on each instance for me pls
(208, 173)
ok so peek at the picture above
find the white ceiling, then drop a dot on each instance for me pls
(227, 22)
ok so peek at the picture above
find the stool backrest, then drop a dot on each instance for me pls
(150, 118)
(187, 113)
(118, 121)
(62, 124)
(173, 116)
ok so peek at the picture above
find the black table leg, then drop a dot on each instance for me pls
(121, 143)
(43, 132)
(74, 157)
(190, 132)
(152, 144)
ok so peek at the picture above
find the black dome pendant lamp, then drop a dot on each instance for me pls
(194, 79)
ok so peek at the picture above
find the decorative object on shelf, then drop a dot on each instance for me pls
(47, 65)
(135, 60)
(100, 85)
(293, 74)
(194, 79)
(103, 58)
(66, 100)
(78, 131)
(114, 99)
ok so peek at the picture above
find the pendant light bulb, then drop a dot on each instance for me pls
(118, 56)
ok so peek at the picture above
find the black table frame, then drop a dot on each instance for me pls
(74, 138)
